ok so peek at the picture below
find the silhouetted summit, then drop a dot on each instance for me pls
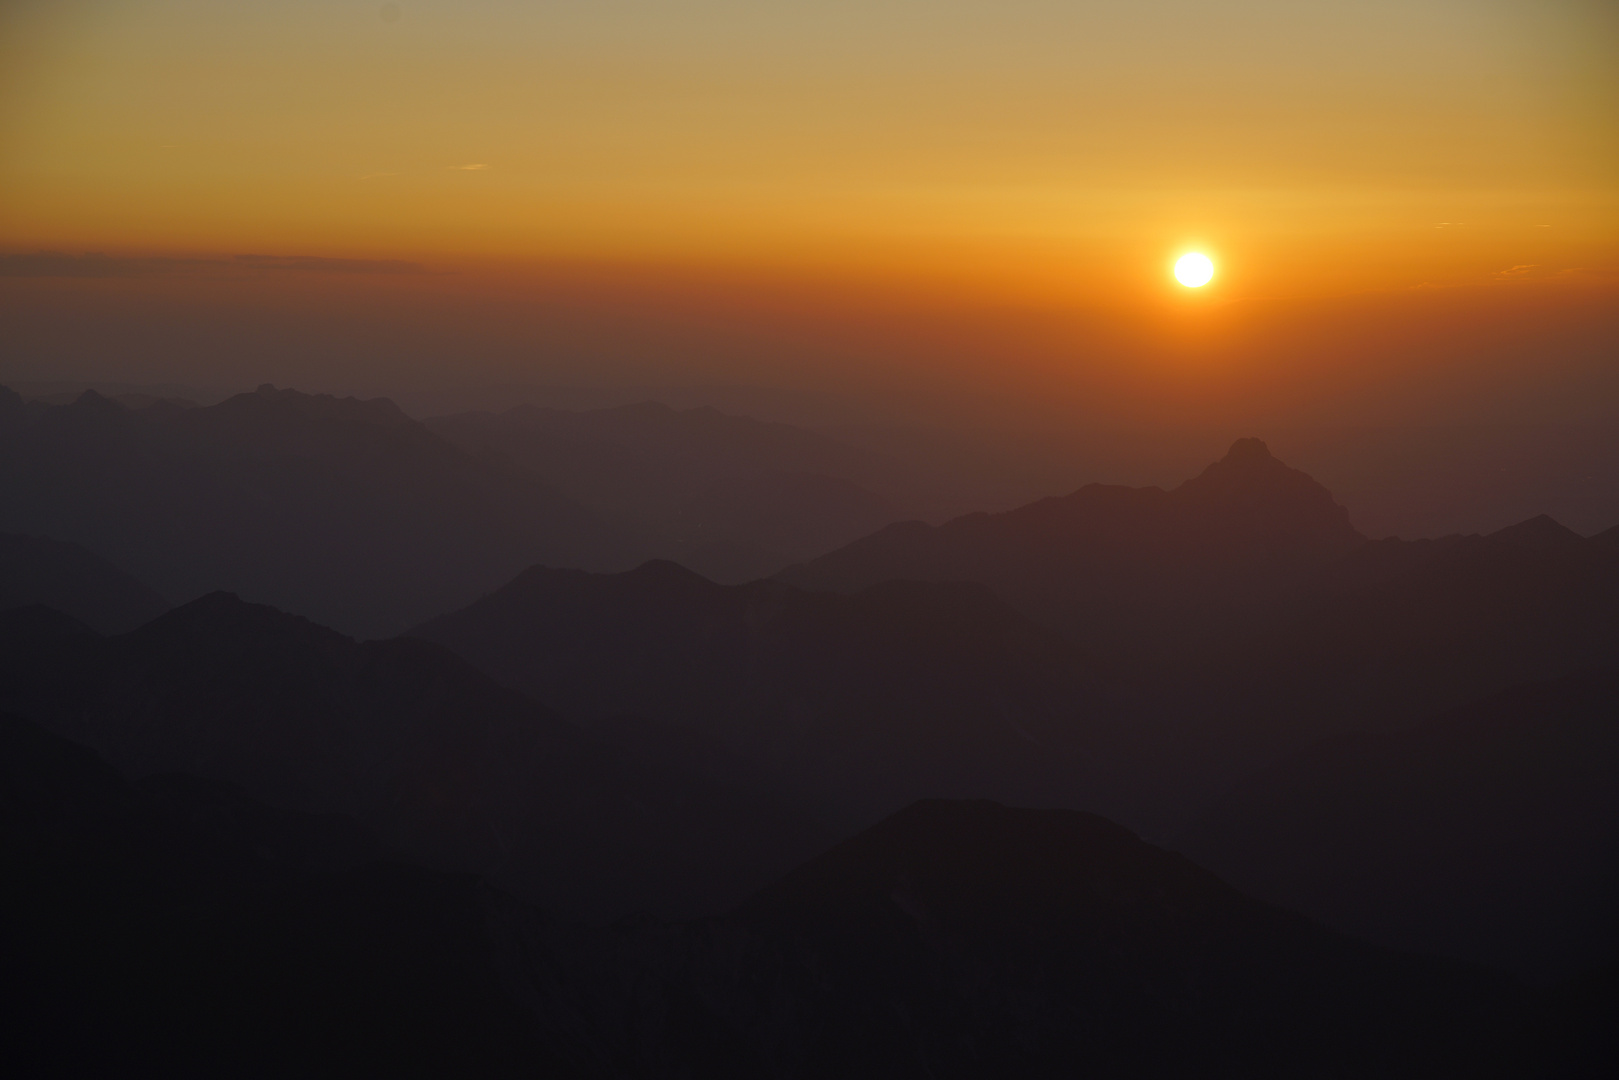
(1283, 500)
(1540, 533)
(1126, 571)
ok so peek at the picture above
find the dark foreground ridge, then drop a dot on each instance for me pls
(1487, 832)
(175, 926)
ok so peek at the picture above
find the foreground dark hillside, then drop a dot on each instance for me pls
(175, 927)
(346, 510)
(1489, 832)
(440, 762)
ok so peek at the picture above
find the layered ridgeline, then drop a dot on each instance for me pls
(856, 704)
(743, 497)
(345, 510)
(1131, 652)
(66, 577)
(176, 926)
(1177, 640)
(433, 757)
(1245, 594)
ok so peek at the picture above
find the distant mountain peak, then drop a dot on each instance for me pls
(225, 615)
(269, 401)
(1542, 533)
(1250, 478)
(665, 570)
(1248, 450)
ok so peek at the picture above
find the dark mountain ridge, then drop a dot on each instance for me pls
(407, 739)
(345, 509)
(1246, 595)
(858, 704)
(1105, 558)
(1189, 638)
(37, 570)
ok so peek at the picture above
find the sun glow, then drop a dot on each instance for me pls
(1194, 270)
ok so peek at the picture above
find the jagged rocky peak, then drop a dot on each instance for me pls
(1251, 485)
(1248, 450)
(271, 400)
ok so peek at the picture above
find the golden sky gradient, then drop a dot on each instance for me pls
(1038, 146)
(1412, 205)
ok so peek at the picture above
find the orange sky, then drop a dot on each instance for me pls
(1029, 167)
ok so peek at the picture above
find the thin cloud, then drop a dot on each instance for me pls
(52, 264)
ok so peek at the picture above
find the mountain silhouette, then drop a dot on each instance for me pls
(1246, 616)
(346, 510)
(441, 763)
(56, 574)
(964, 939)
(1490, 832)
(1119, 568)
(1401, 629)
(177, 926)
(857, 704)
(1191, 637)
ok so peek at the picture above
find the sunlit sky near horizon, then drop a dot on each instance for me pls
(1022, 152)
(1443, 135)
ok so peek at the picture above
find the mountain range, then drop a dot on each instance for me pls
(1409, 744)
(177, 926)
(441, 763)
(345, 510)
(856, 704)
(77, 582)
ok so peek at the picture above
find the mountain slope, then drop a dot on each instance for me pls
(1490, 832)
(410, 741)
(175, 926)
(1244, 610)
(1117, 567)
(344, 509)
(965, 939)
(36, 570)
(859, 703)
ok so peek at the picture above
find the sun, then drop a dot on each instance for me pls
(1194, 270)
